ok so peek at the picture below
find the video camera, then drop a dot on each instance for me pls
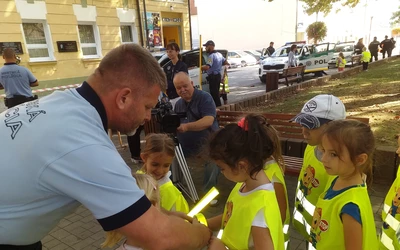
(166, 116)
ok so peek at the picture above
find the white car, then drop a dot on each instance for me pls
(315, 57)
(241, 58)
(347, 48)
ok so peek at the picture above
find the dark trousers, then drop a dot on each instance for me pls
(389, 52)
(374, 54)
(134, 143)
(224, 97)
(35, 246)
(214, 81)
(365, 65)
(17, 100)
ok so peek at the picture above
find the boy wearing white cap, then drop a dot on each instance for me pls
(313, 178)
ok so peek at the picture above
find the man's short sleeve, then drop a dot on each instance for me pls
(97, 177)
(31, 77)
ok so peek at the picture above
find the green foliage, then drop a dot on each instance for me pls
(395, 17)
(317, 31)
(325, 6)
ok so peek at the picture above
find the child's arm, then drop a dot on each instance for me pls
(352, 230)
(281, 197)
(214, 223)
(262, 238)
(216, 244)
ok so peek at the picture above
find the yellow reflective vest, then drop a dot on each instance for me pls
(224, 86)
(311, 184)
(366, 56)
(239, 214)
(340, 62)
(273, 171)
(327, 227)
(171, 196)
(391, 217)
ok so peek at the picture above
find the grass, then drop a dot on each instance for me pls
(374, 94)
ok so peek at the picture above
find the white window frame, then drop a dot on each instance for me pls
(97, 43)
(48, 45)
(133, 32)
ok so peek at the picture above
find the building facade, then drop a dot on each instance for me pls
(62, 42)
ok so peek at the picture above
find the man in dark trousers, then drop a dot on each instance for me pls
(271, 49)
(16, 81)
(213, 68)
(387, 46)
(373, 48)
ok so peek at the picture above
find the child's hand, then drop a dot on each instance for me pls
(216, 244)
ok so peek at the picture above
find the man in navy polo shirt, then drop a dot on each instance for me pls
(213, 68)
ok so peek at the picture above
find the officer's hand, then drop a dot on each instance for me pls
(182, 128)
(216, 244)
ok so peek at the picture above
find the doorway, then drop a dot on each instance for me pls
(172, 34)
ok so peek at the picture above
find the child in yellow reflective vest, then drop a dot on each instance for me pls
(157, 155)
(340, 62)
(390, 237)
(343, 217)
(224, 87)
(150, 188)
(365, 58)
(251, 217)
(313, 179)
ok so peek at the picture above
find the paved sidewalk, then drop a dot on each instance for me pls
(81, 231)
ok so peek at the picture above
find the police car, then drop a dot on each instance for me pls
(314, 56)
(191, 58)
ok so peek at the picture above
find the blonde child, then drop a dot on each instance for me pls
(391, 213)
(340, 62)
(150, 188)
(343, 217)
(157, 156)
(251, 218)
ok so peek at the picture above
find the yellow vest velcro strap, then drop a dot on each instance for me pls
(305, 203)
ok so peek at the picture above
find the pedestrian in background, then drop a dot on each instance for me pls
(341, 62)
(292, 61)
(16, 80)
(374, 48)
(387, 47)
(213, 67)
(365, 58)
(224, 87)
(271, 49)
(359, 46)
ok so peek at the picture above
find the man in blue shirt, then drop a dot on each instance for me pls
(199, 122)
(56, 154)
(213, 67)
(16, 80)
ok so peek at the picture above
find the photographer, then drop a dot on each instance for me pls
(16, 81)
(199, 122)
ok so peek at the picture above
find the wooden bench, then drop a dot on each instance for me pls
(355, 60)
(292, 140)
(293, 74)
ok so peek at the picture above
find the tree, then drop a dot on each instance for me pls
(325, 6)
(395, 17)
(317, 31)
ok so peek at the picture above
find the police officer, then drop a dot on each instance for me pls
(213, 68)
(373, 48)
(16, 81)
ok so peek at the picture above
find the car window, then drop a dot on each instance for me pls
(192, 59)
(320, 48)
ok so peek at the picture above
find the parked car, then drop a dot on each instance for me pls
(347, 48)
(315, 57)
(241, 58)
(157, 55)
(191, 58)
(254, 53)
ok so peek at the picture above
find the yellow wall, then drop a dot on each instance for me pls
(63, 27)
(171, 35)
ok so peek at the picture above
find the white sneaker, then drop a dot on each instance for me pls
(213, 203)
(137, 160)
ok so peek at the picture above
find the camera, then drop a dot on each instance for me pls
(166, 116)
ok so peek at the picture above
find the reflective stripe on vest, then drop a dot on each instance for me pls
(387, 241)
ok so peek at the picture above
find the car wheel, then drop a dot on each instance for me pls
(243, 63)
(263, 79)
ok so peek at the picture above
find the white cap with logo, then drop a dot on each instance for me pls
(320, 110)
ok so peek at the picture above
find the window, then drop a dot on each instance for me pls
(37, 41)
(126, 34)
(89, 40)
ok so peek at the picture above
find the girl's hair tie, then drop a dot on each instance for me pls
(243, 124)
